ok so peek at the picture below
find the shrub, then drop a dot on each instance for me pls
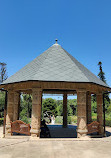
(1, 121)
(108, 122)
(23, 116)
(25, 119)
(74, 119)
(69, 120)
(59, 119)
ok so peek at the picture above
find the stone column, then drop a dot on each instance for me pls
(36, 112)
(65, 110)
(9, 116)
(81, 113)
(89, 116)
(16, 106)
(99, 98)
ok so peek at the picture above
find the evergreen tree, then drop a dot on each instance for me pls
(101, 75)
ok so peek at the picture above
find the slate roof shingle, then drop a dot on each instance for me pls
(55, 64)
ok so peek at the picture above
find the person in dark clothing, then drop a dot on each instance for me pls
(45, 133)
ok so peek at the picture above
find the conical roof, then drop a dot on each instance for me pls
(55, 64)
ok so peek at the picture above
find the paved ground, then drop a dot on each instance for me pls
(67, 148)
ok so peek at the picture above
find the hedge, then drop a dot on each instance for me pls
(70, 119)
(1, 121)
(59, 119)
(108, 122)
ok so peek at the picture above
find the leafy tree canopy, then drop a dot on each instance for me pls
(49, 104)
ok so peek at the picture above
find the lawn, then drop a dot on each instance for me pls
(73, 119)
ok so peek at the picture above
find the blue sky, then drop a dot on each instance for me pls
(29, 27)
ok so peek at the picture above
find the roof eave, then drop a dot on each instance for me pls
(2, 85)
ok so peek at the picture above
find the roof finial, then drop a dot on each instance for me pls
(56, 40)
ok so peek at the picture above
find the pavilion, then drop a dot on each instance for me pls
(55, 71)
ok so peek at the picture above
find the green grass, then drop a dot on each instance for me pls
(73, 119)
(70, 119)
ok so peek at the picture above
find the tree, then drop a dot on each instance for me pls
(3, 72)
(2, 102)
(109, 110)
(3, 76)
(94, 104)
(28, 103)
(101, 75)
(72, 106)
(49, 104)
(59, 107)
(26, 107)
